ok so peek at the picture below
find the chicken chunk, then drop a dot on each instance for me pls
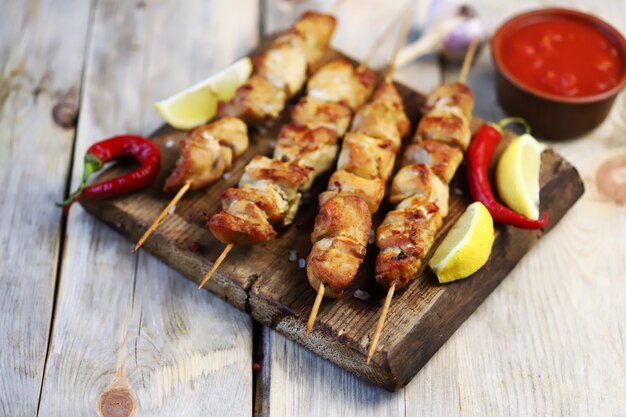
(383, 117)
(409, 230)
(441, 158)
(314, 113)
(366, 157)
(339, 82)
(404, 238)
(248, 227)
(267, 196)
(288, 176)
(395, 268)
(346, 216)
(451, 95)
(284, 64)
(229, 131)
(203, 159)
(255, 101)
(342, 182)
(316, 30)
(419, 180)
(334, 261)
(312, 148)
(445, 126)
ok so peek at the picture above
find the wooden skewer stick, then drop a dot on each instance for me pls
(315, 309)
(379, 43)
(216, 264)
(469, 57)
(381, 323)
(162, 216)
(403, 34)
(467, 61)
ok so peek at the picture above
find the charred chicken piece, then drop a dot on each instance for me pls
(207, 152)
(366, 157)
(445, 126)
(313, 148)
(342, 182)
(419, 180)
(451, 95)
(383, 117)
(339, 82)
(284, 64)
(441, 158)
(316, 30)
(314, 113)
(255, 101)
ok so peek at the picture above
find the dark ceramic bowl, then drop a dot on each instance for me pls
(554, 116)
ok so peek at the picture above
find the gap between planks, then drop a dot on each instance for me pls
(66, 191)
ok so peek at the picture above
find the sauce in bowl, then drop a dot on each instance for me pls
(564, 57)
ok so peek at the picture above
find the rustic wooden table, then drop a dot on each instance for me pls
(76, 309)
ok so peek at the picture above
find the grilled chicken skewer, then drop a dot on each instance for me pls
(420, 188)
(269, 191)
(355, 191)
(279, 73)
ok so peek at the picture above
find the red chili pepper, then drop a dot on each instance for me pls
(142, 149)
(478, 159)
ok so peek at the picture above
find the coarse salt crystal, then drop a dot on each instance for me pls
(169, 143)
(293, 255)
(361, 295)
(302, 263)
(227, 175)
(372, 237)
(172, 210)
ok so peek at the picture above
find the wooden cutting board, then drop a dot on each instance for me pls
(266, 283)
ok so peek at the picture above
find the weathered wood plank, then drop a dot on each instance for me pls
(188, 353)
(40, 67)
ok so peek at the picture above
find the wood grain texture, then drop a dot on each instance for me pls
(40, 67)
(188, 353)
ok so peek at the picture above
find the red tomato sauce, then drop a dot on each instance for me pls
(565, 57)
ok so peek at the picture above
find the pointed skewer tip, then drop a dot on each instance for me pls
(161, 216)
(469, 57)
(216, 265)
(314, 310)
(380, 324)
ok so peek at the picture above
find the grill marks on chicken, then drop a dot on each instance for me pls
(340, 82)
(355, 191)
(420, 188)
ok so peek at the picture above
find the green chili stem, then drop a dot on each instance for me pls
(92, 164)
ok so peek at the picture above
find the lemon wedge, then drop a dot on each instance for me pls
(517, 175)
(467, 246)
(198, 104)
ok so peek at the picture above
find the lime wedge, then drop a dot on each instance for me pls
(466, 247)
(198, 104)
(517, 175)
